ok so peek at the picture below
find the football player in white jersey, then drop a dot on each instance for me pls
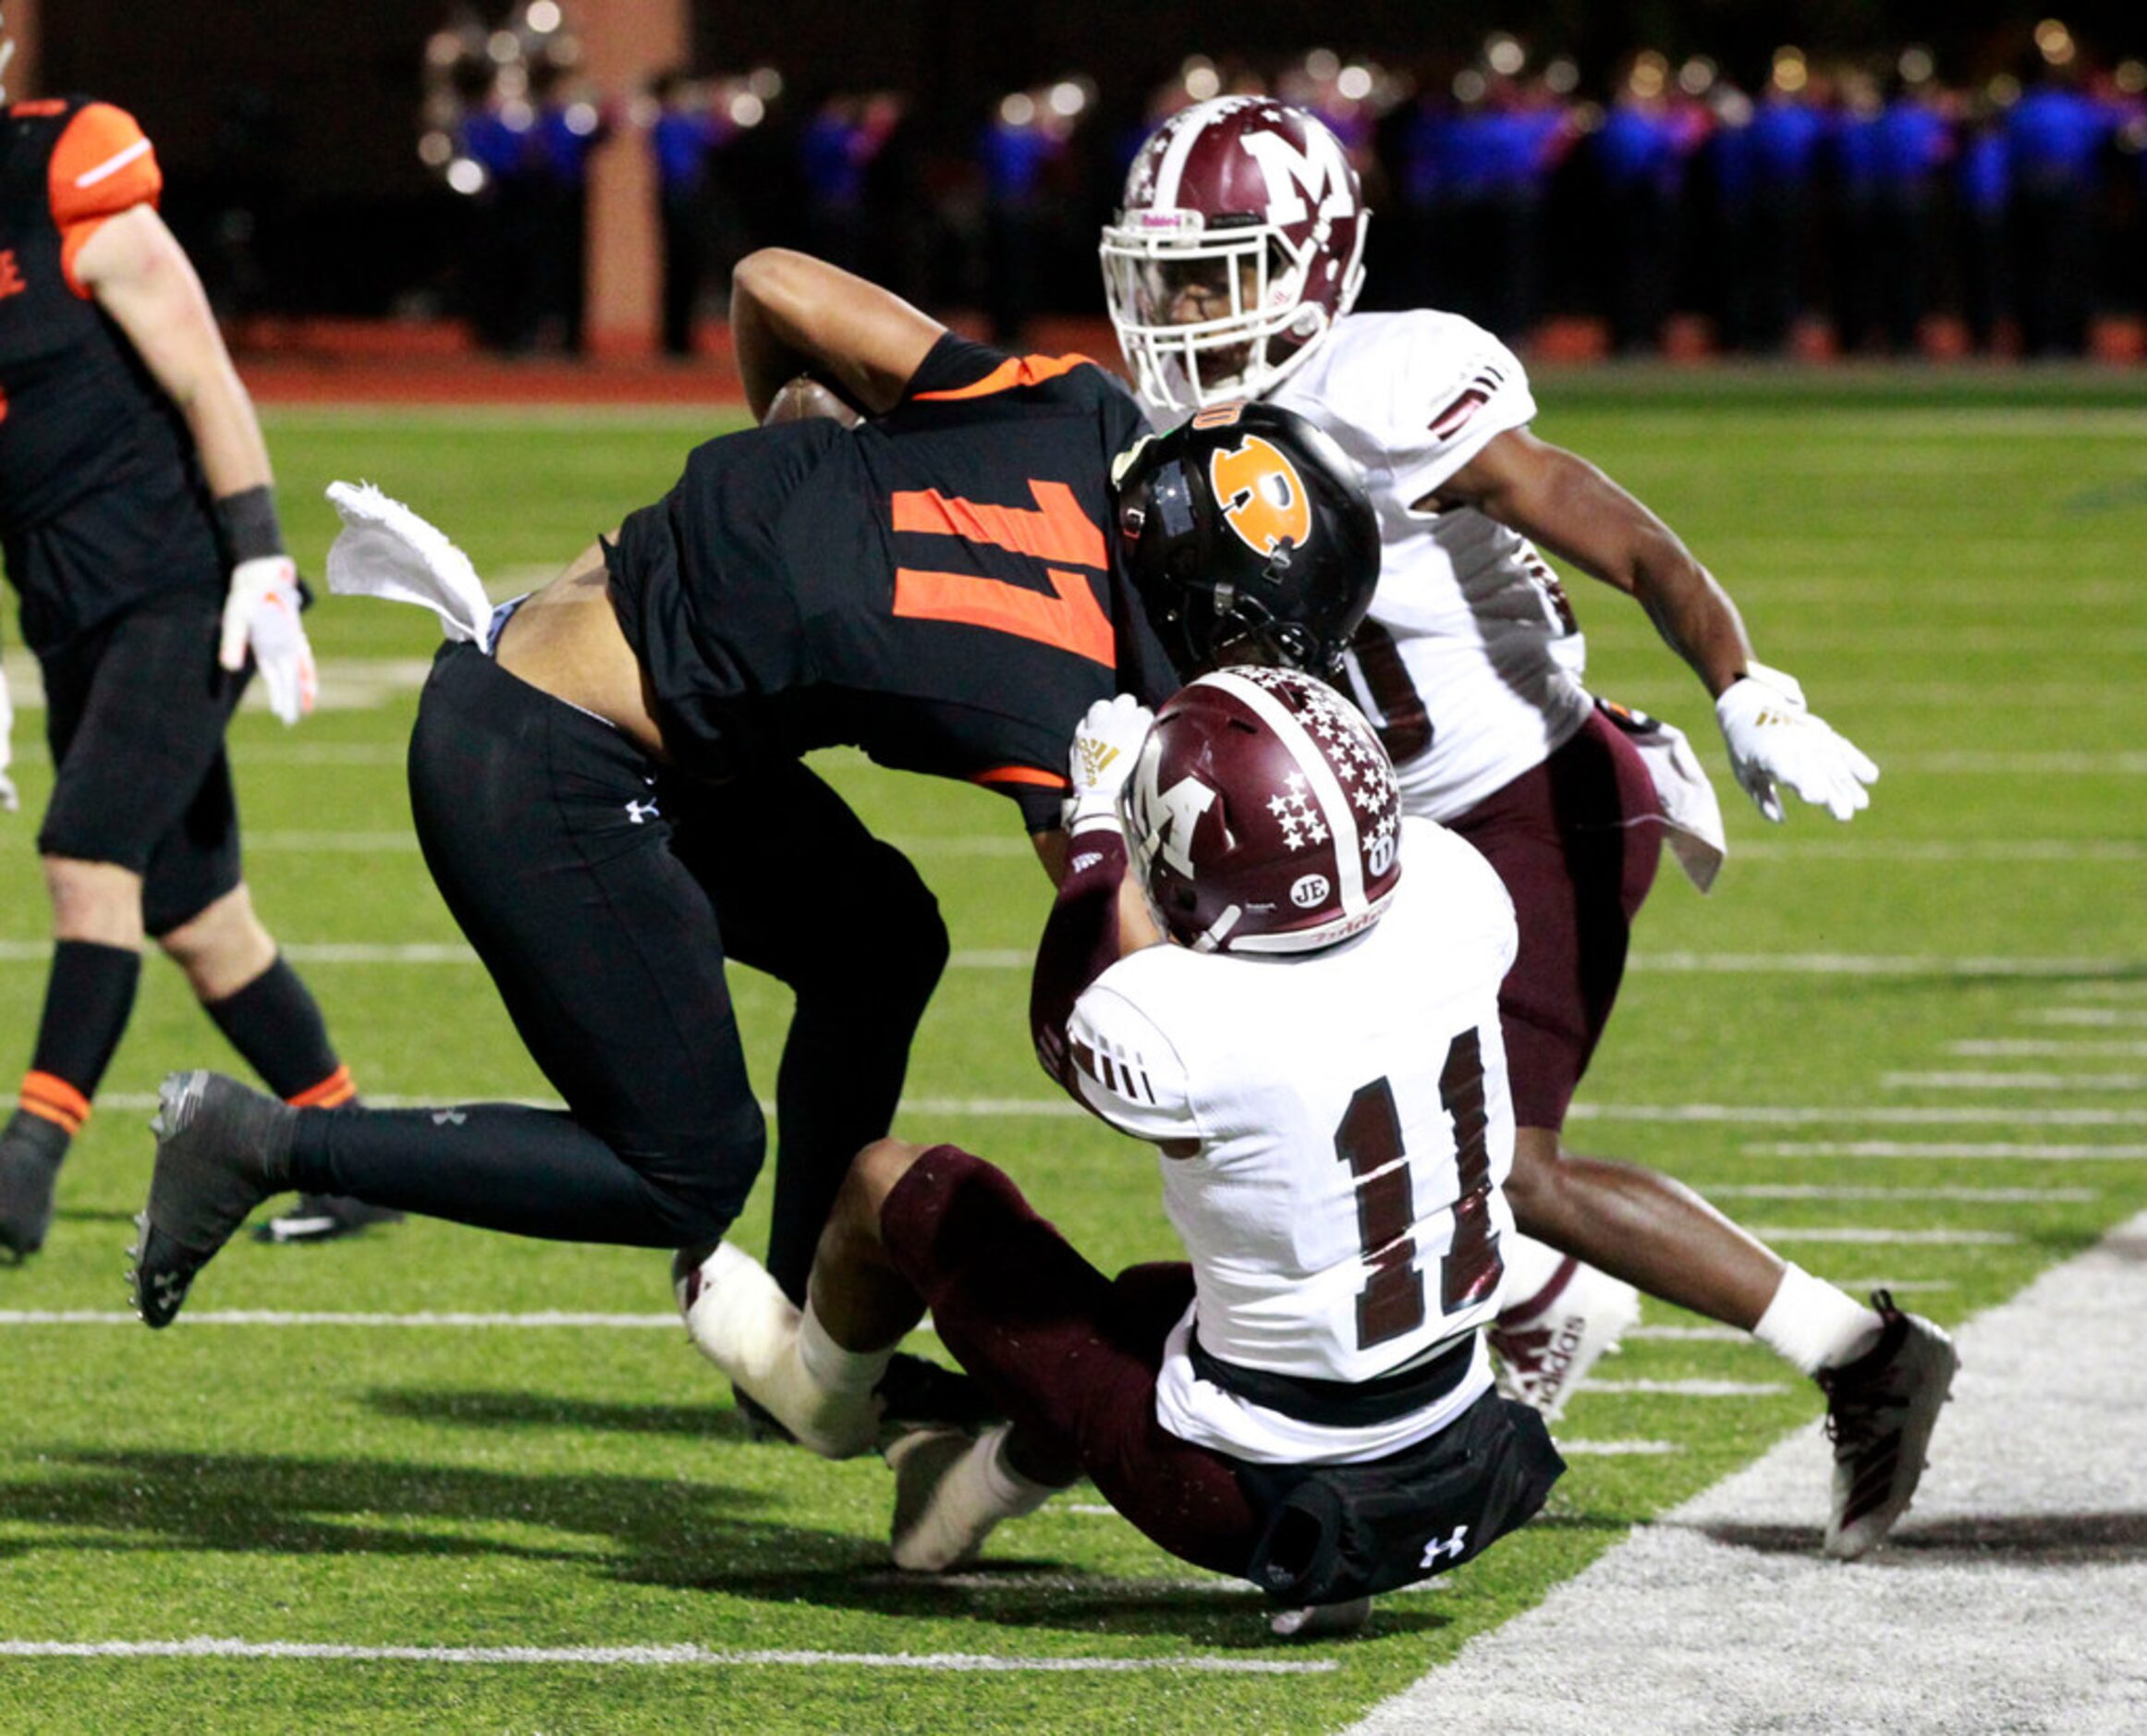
(1230, 274)
(1260, 967)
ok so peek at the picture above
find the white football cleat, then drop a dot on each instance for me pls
(1880, 1412)
(1548, 1342)
(741, 1320)
(950, 1491)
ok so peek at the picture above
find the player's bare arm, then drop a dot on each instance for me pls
(791, 314)
(1560, 501)
(138, 274)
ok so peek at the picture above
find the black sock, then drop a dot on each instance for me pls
(87, 1001)
(276, 1023)
(531, 1172)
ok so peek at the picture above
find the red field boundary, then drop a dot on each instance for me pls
(393, 361)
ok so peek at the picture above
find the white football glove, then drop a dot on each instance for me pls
(9, 801)
(261, 611)
(1772, 737)
(1105, 747)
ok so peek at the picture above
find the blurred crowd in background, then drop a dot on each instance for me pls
(1811, 203)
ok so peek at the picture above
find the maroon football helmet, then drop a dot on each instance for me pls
(1239, 244)
(1262, 815)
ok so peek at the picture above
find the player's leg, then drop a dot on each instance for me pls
(197, 906)
(1579, 869)
(811, 897)
(535, 822)
(134, 718)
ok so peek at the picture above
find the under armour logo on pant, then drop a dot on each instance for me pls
(448, 1117)
(641, 812)
(1457, 1546)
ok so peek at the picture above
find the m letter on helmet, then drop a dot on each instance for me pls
(1262, 497)
(1319, 174)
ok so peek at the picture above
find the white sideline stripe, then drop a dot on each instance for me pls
(2134, 989)
(2013, 1615)
(650, 1656)
(1962, 1196)
(1998, 1049)
(1902, 1238)
(2001, 1151)
(2097, 1015)
(1688, 1389)
(2013, 1082)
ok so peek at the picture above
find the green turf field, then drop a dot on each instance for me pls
(1912, 1049)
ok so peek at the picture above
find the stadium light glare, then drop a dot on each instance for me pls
(545, 16)
(442, 48)
(2131, 77)
(1323, 64)
(1018, 109)
(1468, 85)
(1562, 77)
(582, 118)
(1696, 77)
(1916, 64)
(1354, 82)
(503, 46)
(1068, 99)
(1504, 54)
(747, 110)
(465, 176)
(436, 150)
(764, 82)
(1202, 81)
(2054, 42)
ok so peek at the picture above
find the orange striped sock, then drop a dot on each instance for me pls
(51, 1098)
(330, 1094)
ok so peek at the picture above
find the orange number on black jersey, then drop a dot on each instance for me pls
(1055, 530)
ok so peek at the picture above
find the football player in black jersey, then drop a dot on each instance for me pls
(944, 586)
(139, 530)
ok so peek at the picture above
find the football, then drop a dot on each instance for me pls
(803, 397)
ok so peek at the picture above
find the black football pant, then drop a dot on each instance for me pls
(603, 898)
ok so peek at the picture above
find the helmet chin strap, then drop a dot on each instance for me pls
(1219, 930)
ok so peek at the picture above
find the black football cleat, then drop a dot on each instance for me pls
(30, 1152)
(1880, 1411)
(221, 1150)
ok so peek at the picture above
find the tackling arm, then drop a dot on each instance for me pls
(1557, 499)
(791, 314)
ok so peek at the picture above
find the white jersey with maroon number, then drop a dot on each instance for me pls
(1342, 1127)
(1470, 664)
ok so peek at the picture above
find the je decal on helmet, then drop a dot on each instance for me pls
(1262, 497)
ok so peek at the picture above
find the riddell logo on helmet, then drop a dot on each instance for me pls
(1263, 498)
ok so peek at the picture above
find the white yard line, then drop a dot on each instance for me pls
(2009, 1601)
(651, 1658)
(1958, 1196)
(1942, 1081)
(2001, 1048)
(2099, 1017)
(1991, 1152)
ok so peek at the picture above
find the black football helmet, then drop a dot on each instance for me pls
(1249, 538)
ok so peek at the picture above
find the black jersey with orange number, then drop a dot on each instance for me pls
(84, 428)
(936, 586)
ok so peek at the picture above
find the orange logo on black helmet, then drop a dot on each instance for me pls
(1262, 497)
